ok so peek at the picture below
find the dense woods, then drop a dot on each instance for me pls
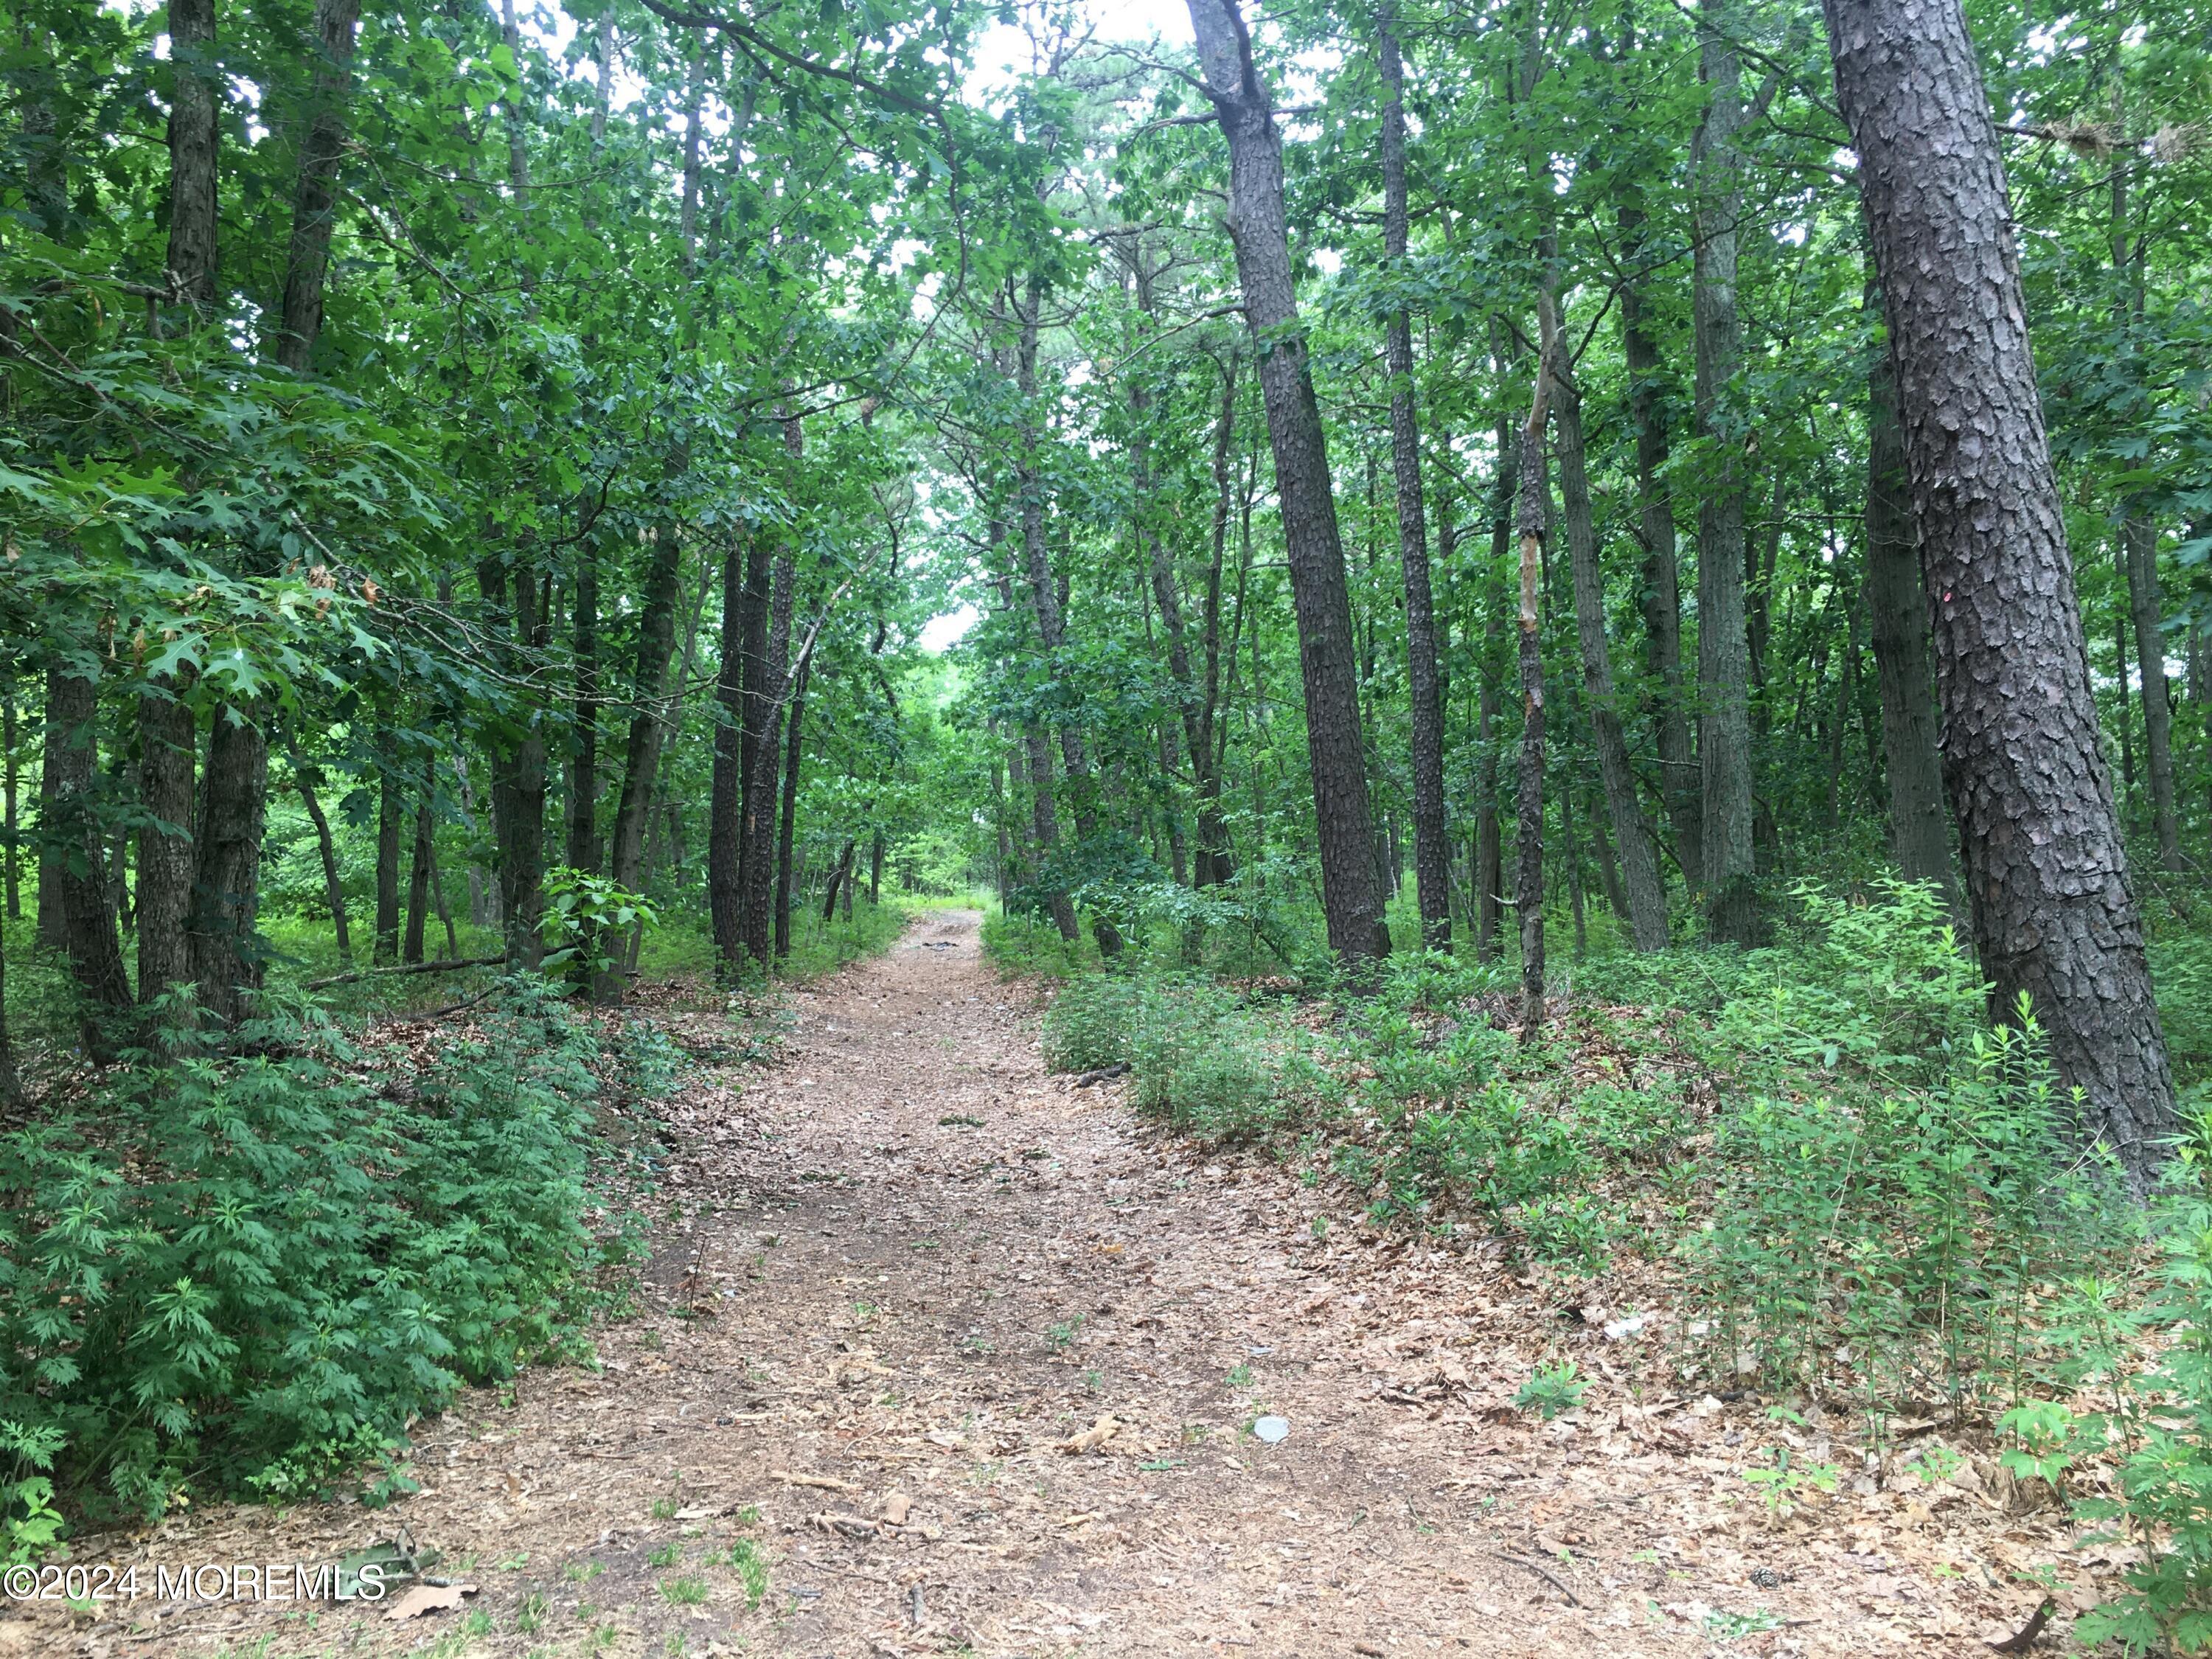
(542, 499)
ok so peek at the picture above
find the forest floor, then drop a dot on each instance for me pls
(942, 1355)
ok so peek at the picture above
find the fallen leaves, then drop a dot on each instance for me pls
(1092, 1439)
(428, 1598)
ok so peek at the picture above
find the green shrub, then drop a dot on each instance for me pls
(1213, 1068)
(1090, 1024)
(246, 1272)
(1909, 1229)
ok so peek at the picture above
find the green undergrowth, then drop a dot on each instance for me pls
(1850, 1183)
(250, 1273)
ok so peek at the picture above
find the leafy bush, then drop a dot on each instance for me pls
(1908, 1228)
(1199, 1058)
(249, 1271)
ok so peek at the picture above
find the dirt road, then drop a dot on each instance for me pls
(941, 1355)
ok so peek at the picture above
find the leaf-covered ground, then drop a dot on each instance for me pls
(940, 1355)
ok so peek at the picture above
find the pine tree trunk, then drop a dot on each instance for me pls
(1489, 835)
(1351, 897)
(1424, 684)
(1724, 649)
(1897, 602)
(2054, 914)
(1647, 899)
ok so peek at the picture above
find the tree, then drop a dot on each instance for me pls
(1259, 230)
(2054, 914)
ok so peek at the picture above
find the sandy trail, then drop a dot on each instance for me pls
(911, 1280)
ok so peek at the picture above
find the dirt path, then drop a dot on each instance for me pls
(917, 1282)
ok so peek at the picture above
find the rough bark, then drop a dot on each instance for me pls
(1639, 858)
(314, 199)
(1351, 897)
(1424, 684)
(1897, 603)
(2054, 914)
(2139, 552)
(195, 133)
(168, 742)
(1723, 650)
(96, 955)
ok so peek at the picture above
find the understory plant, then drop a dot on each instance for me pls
(247, 1271)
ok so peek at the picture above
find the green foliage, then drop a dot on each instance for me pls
(1554, 1388)
(249, 1271)
(1200, 1057)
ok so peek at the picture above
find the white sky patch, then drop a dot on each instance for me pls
(940, 633)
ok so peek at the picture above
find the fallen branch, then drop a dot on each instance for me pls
(1541, 1571)
(409, 968)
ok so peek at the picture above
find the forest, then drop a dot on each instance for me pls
(1579, 631)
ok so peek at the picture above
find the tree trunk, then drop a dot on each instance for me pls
(314, 199)
(11, 824)
(226, 954)
(1528, 886)
(787, 829)
(518, 781)
(420, 867)
(757, 854)
(1489, 837)
(1639, 858)
(11, 1082)
(95, 955)
(195, 135)
(168, 742)
(388, 811)
(583, 850)
(1351, 897)
(725, 900)
(53, 925)
(1661, 595)
(656, 644)
(2139, 551)
(1724, 650)
(2054, 916)
(1898, 605)
(1424, 684)
(333, 888)
(839, 877)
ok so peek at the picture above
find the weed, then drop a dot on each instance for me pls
(686, 1592)
(666, 1556)
(1553, 1389)
(752, 1569)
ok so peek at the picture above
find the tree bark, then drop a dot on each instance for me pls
(1424, 684)
(757, 853)
(2054, 914)
(11, 849)
(1350, 896)
(1639, 859)
(1724, 650)
(1528, 886)
(724, 900)
(95, 955)
(1898, 605)
(195, 137)
(388, 812)
(1661, 594)
(420, 866)
(333, 888)
(788, 828)
(169, 745)
(314, 199)
(656, 644)
(53, 925)
(583, 850)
